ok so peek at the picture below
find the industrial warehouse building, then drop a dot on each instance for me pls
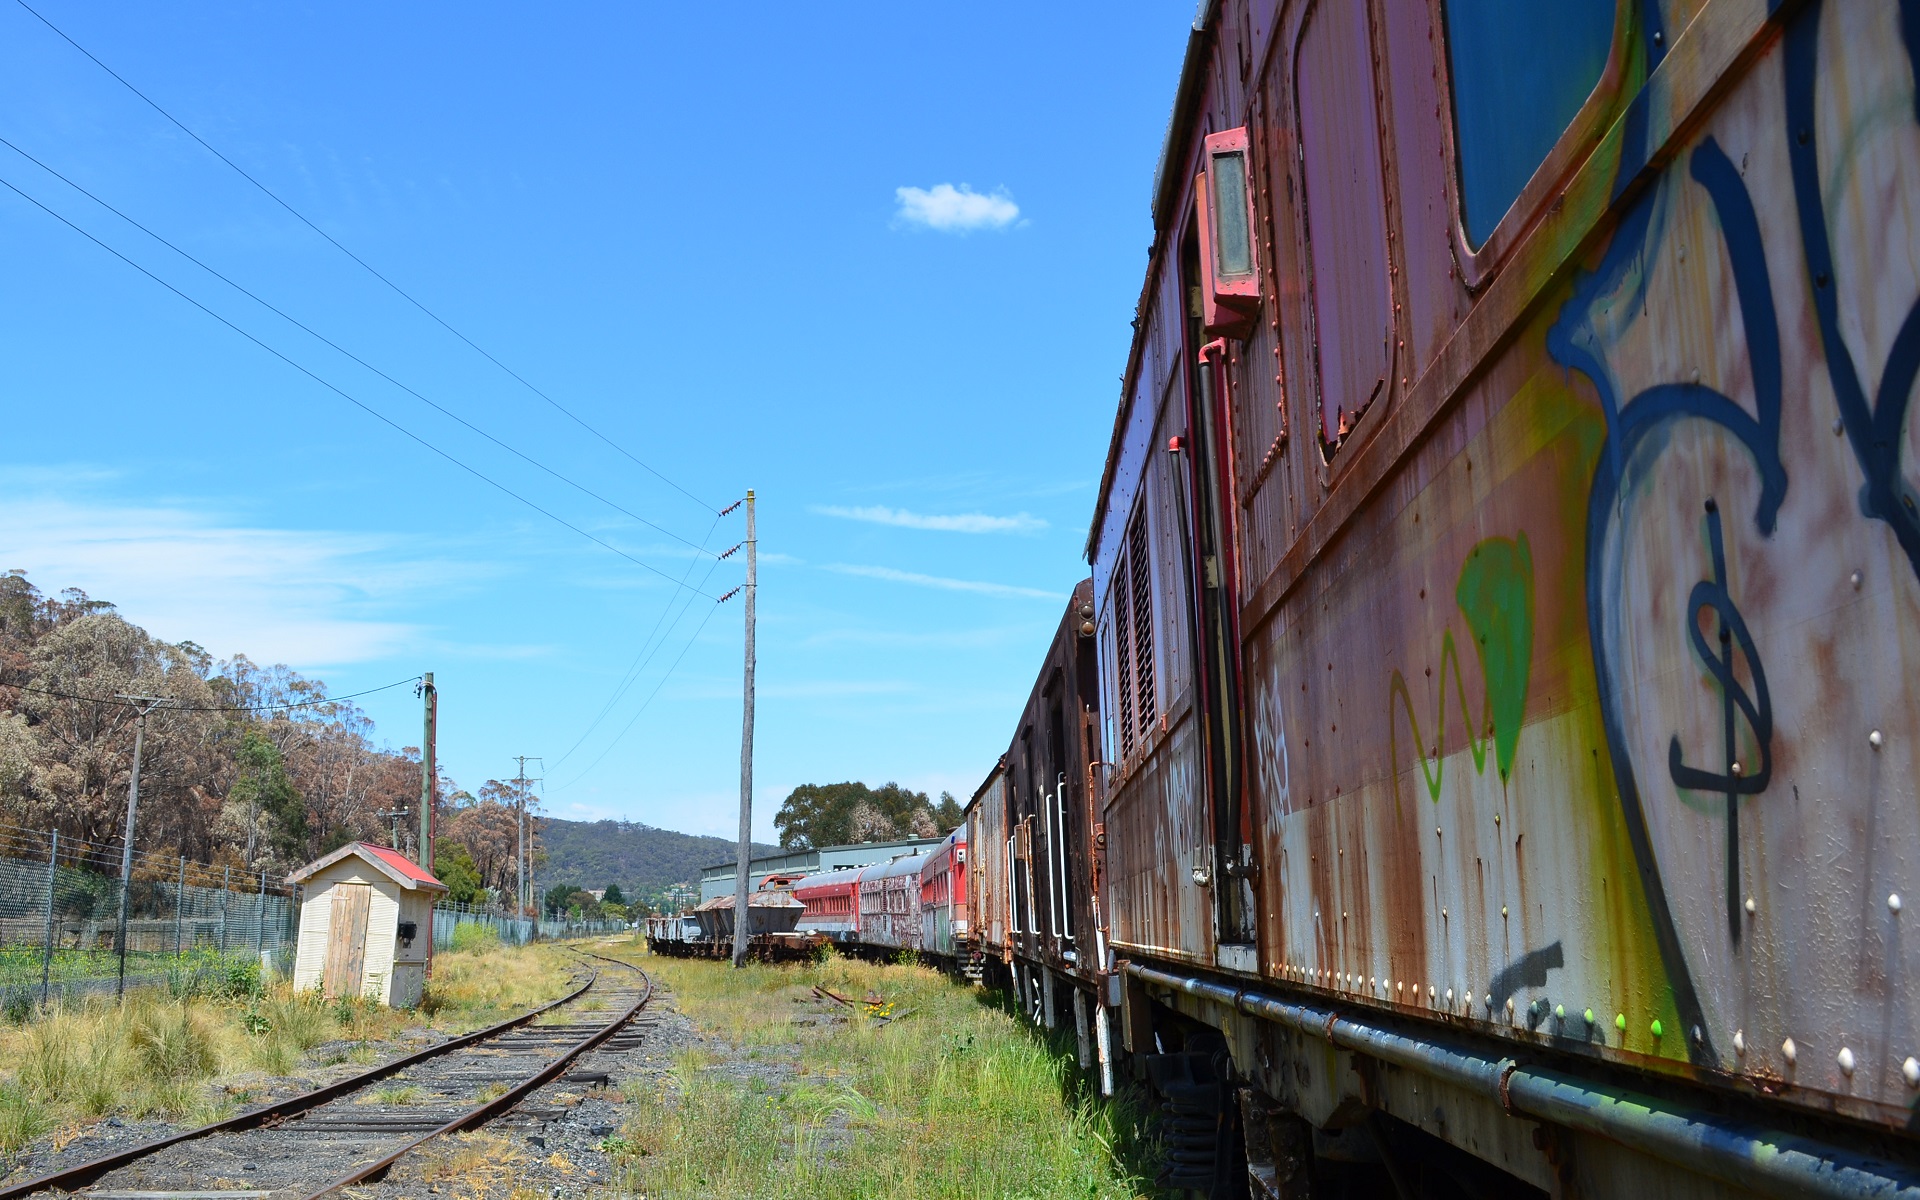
(718, 880)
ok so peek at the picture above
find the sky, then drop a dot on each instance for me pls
(876, 263)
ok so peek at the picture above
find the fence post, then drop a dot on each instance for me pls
(46, 952)
(179, 906)
(226, 902)
(260, 918)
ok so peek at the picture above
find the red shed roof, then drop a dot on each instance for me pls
(400, 862)
(403, 870)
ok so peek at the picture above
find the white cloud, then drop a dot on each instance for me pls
(961, 639)
(950, 585)
(951, 209)
(880, 514)
(306, 597)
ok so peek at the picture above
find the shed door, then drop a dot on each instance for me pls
(347, 940)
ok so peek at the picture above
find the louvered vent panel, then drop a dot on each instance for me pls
(1142, 605)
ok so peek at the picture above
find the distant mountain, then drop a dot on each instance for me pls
(641, 859)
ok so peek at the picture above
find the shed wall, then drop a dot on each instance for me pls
(383, 918)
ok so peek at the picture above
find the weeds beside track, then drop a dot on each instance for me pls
(937, 1091)
(319, 1141)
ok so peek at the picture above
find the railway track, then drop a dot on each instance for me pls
(353, 1131)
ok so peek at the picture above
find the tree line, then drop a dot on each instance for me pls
(229, 774)
(841, 814)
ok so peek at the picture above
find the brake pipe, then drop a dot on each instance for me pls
(1738, 1154)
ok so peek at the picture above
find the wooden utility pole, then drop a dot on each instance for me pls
(520, 838)
(392, 817)
(740, 912)
(428, 780)
(523, 861)
(142, 705)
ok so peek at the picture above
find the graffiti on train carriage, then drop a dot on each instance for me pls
(1495, 595)
(1688, 470)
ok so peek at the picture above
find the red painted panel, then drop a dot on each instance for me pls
(1346, 217)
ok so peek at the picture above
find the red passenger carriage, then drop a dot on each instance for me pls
(943, 898)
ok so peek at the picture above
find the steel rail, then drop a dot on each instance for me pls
(69, 1179)
(503, 1103)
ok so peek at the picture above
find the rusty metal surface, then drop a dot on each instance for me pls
(1351, 339)
(889, 899)
(989, 907)
(1590, 690)
(1030, 827)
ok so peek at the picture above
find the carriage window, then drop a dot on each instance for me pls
(1229, 275)
(1552, 54)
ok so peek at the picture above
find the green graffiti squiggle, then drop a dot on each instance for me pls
(1495, 594)
(1477, 745)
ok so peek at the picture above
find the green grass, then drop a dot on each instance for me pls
(957, 1098)
(22, 1119)
(470, 936)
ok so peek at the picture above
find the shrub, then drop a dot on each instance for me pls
(471, 937)
(299, 1018)
(16, 1002)
(208, 972)
(173, 1043)
(50, 1065)
(22, 1119)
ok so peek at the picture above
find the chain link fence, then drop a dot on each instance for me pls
(449, 918)
(190, 926)
(60, 902)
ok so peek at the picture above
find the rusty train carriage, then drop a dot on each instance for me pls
(1508, 572)
(1032, 831)
(1048, 773)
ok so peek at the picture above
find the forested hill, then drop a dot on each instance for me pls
(640, 858)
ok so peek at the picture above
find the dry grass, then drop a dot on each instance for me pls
(392, 1093)
(955, 1099)
(191, 1058)
(492, 982)
(470, 1164)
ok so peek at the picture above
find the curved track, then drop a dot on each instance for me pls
(354, 1130)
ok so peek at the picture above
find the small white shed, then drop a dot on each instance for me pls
(366, 925)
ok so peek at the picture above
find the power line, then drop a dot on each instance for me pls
(641, 657)
(366, 266)
(649, 700)
(317, 335)
(122, 702)
(338, 391)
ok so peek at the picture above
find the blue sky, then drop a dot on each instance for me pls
(877, 263)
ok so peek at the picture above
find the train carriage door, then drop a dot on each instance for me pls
(1212, 586)
(1030, 812)
(1059, 837)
